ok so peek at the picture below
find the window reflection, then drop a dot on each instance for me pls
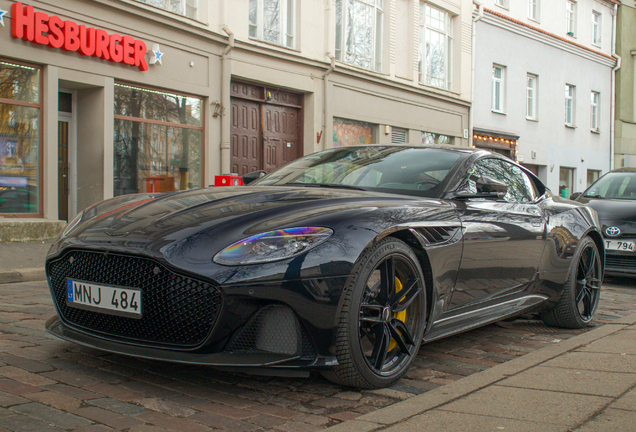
(157, 141)
(19, 138)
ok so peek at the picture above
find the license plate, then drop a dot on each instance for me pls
(627, 246)
(103, 298)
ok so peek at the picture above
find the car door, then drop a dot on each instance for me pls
(503, 238)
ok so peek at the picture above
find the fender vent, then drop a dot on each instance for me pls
(437, 235)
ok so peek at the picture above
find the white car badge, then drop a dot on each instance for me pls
(612, 231)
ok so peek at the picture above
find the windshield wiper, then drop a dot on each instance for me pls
(326, 185)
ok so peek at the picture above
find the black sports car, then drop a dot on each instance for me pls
(342, 261)
(613, 196)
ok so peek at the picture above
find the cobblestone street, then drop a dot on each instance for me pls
(50, 385)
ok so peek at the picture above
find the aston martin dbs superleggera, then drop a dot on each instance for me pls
(342, 261)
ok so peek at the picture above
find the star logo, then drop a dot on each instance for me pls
(156, 55)
(2, 14)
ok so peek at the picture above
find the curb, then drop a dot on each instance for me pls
(420, 404)
(22, 275)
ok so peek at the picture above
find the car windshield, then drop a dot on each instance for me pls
(407, 170)
(614, 185)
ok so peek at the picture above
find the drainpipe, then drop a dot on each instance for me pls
(613, 90)
(325, 105)
(226, 77)
(471, 109)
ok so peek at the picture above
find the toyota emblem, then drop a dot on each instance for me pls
(612, 231)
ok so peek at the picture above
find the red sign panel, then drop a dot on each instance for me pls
(39, 28)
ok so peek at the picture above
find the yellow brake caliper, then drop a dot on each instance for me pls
(397, 315)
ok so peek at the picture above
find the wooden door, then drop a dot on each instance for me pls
(280, 136)
(246, 143)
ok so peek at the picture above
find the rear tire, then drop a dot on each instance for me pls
(382, 318)
(581, 291)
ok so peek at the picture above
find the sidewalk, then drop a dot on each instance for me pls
(586, 383)
(23, 261)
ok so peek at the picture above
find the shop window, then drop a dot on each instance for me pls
(359, 33)
(432, 138)
(351, 132)
(158, 141)
(273, 21)
(187, 8)
(20, 110)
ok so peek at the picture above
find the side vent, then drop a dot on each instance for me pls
(437, 235)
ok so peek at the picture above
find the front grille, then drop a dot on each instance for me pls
(624, 262)
(177, 310)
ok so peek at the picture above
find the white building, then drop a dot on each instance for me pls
(543, 86)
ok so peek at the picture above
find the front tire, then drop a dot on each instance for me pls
(382, 318)
(581, 291)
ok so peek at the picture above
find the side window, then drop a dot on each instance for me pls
(520, 187)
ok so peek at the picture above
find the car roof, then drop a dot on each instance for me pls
(624, 169)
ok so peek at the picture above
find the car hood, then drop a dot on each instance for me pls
(198, 224)
(612, 209)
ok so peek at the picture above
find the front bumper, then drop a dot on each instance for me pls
(189, 319)
(56, 327)
(620, 263)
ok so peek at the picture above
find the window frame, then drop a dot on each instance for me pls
(40, 106)
(595, 102)
(342, 55)
(447, 34)
(532, 95)
(183, 4)
(502, 3)
(256, 30)
(533, 10)
(570, 108)
(570, 17)
(501, 82)
(597, 27)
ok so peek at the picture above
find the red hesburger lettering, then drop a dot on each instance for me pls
(87, 40)
(40, 28)
(140, 55)
(101, 44)
(116, 50)
(22, 24)
(71, 36)
(56, 33)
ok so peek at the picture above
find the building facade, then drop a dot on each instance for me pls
(625, 120)
(543, 87)
(111, 97)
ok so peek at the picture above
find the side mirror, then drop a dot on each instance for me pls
(252, 176)
(575, 195)
(486, 187)
(487, 184)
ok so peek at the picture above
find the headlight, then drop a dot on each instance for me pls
(72, 224)
(273, 246)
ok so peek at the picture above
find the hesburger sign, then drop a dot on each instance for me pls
(42, 29)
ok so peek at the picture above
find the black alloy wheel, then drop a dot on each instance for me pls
(383, 318)
(582, 290)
